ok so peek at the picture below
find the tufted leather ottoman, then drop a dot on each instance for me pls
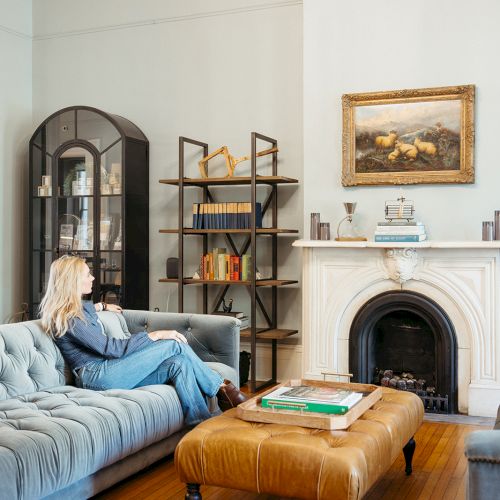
(298, 462)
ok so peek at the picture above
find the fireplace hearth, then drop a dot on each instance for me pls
(405, 340)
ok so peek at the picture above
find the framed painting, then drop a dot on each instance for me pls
(419, 136)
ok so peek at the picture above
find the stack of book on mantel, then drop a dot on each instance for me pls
(400, 231)
(316, 399)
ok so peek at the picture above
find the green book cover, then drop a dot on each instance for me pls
(246, 264)
(304, 406)
(320, 400)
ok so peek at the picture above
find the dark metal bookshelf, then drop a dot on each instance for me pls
(271, 332)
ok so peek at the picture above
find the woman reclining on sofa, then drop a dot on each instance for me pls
(100, 362)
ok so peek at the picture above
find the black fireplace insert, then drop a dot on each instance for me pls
(409, 338)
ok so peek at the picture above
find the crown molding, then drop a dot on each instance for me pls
(19, 34)
(173, 19)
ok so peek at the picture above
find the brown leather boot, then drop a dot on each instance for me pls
(229, 396)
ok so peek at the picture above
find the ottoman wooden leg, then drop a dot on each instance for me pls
(408, 452)
(192, 491)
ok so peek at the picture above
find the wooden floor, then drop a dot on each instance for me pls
(439, 471)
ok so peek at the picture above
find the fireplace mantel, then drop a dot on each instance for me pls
(461, 276)
(376, 244)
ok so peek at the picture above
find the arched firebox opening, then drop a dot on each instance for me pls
(410, 338)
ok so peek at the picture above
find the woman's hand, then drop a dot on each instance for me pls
(168, 335)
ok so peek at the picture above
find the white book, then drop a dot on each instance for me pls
(400, 230)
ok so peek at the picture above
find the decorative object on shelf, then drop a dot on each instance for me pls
(401, 209)
(324, 231)
(231, 161)
(399, 225)
(349, 232)
(227, 308)
(400, 264)
(488, 230)
(412, 136)
(173, 268)
(497, 224)
(315, 222)
(46, 188)
(68, 229)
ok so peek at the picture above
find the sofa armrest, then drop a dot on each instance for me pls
(483, 446)
(213, 337)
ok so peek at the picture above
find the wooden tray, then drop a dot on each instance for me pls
(252, 410)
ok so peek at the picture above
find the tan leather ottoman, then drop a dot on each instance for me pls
(299, 462)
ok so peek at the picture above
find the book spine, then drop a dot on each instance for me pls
(407, 230)
(399, 224)
(399, 238)
(304, 406)
(246, 263)
(258, 215)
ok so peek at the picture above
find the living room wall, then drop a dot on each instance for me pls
(367, 46)
(15, 128)
(214, 71)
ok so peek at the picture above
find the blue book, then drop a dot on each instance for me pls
(395, 238)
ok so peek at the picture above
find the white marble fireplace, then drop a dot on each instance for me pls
(339, 278)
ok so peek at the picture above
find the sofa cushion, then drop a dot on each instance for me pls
(29, 360)
(114, 324)
(51, 439)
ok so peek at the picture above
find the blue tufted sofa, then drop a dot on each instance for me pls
(59, 441)
(482, 449)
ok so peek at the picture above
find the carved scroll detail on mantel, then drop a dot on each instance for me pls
(400, 263)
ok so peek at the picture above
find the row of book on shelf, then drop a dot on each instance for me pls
(229, 215)
(314, 399)
(400, 231)
(219, 265)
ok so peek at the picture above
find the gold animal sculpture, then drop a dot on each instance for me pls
(231, 161)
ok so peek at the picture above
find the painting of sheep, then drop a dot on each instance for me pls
(408, 136)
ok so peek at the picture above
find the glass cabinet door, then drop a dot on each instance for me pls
(75, 201)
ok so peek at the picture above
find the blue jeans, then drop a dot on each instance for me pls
(161, 362)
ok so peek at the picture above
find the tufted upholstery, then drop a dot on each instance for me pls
(29, 360)
(482, 449)
(53, 436)
(299, 462)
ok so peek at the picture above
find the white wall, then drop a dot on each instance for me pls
(15, 129)
(213, 71)
(368, 46)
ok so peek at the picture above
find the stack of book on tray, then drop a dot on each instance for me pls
(315, 399)
(400, 231)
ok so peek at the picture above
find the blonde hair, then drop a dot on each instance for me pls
(62, 301)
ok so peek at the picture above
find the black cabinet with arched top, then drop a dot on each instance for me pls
(89, 196)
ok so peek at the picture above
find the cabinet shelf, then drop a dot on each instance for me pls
(266, 230)
(264, 282)
(268, 333)
(231, 181)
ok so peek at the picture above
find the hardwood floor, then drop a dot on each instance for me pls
(439, 472)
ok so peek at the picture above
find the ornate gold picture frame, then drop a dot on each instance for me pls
(419, 136)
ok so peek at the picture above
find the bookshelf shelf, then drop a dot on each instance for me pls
(231, 181)
(267, 230)
(253, 213)
(268, 333)
(264, 282)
